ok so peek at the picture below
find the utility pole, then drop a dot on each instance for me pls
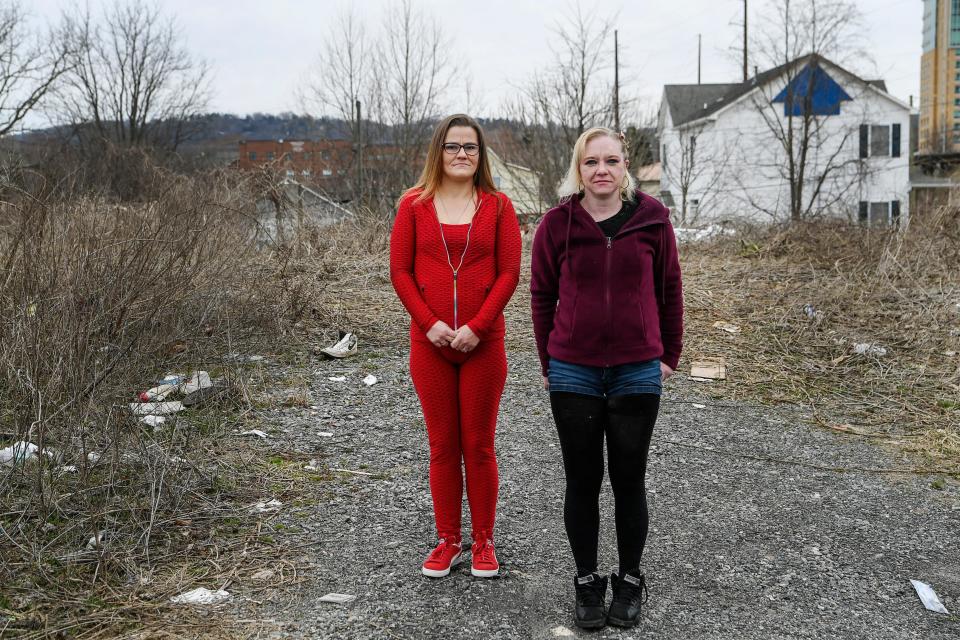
(616, 83)
(359, 189)
(744, 40)
(699, 41)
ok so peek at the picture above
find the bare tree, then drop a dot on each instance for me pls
(132, 80)
(30, 65)
(693, 168)
(795, 38)
(561, 102)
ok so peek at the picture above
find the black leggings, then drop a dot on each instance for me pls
(627, 421)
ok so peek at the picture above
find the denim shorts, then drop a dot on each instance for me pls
(619, 380)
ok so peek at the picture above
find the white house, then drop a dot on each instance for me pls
(520, 184)
(805, 139)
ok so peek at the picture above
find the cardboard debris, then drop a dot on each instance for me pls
(708, 370)
(201, 596)
(929, 597)
(726, 326)
(337, 598)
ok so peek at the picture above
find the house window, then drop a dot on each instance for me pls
(269, 155)
(253, 156)
(289, 173)
(327, 172)
(880, 140)
(879, 214)
(307, 155)
(325, 155)
(305, 172)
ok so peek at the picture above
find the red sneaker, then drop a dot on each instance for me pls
(446, 555)
(485, 563)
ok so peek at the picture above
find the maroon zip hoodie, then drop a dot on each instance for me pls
(604, 302)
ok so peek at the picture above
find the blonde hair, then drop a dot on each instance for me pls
(572, 182)
(432, 174)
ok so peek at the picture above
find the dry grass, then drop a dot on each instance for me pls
(99, 298)
(898, 290)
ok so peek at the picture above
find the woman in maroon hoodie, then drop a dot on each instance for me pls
(608, 319)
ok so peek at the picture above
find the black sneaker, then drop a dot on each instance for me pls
(591, 592)
(627, 594)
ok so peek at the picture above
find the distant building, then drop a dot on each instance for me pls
(520, 184)
(940, 78)
(648, 179)
(723, 158)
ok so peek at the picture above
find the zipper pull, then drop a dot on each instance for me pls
(609, 242)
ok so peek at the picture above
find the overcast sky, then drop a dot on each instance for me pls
(260, 50)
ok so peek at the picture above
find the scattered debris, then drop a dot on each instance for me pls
(337, 378)
(726, 326)
(68, 468)
(345, 346)
(929, 597)
(256, 359)
(155, 408)
(254, 432)
(359, 473)
(337, 598)
(370, 380)
(199, 380)
(264, 575)
(97, 540)
(158, 393)
(324, 434)
(201, 595)
(708, 370)
(313, 466)
(266, 507)
(93, 457)
(869, 349)
(699, 406)
(949, 354)
(153, 421)
(204, 394)
(812, 312)
(562, 632)
(18, 452)
(696, 235)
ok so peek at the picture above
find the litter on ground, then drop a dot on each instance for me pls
(869, 349)
(726, 326)
(708, 370)
(337, 598)
(370, 380)
(266, 507)
(929, 597)
(337, 378)
(254, 432)
(155, 408)
(153, 421)
(18, 452)
(345, 346)
(201, 595)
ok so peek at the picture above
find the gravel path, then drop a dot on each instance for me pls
(741, 545)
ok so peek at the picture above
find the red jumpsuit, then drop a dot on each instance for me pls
(459, 392)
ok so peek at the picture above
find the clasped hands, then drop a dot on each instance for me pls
(463, 339)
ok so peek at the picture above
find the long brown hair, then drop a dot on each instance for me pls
(432, 174)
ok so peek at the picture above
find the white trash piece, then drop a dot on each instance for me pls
(337, 598)
(256, 359)
(155, 408)
(325, 434)
(153, 421)
(254, 432)
(929, 597)
(266, 507)
(199, 380)
(562, 632)
(370, 380)
(869, 349)
(158, 393)
(18, 452)
(97, 540)
(201, 595)
(344, 347)
(337, 378)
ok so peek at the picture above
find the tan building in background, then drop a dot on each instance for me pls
(940, 78)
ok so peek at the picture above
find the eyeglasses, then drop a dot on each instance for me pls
(453, 148)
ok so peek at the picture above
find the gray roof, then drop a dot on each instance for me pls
(689, 102)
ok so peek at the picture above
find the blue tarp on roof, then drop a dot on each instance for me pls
(824, 97)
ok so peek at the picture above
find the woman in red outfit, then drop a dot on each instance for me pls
(455, 262)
